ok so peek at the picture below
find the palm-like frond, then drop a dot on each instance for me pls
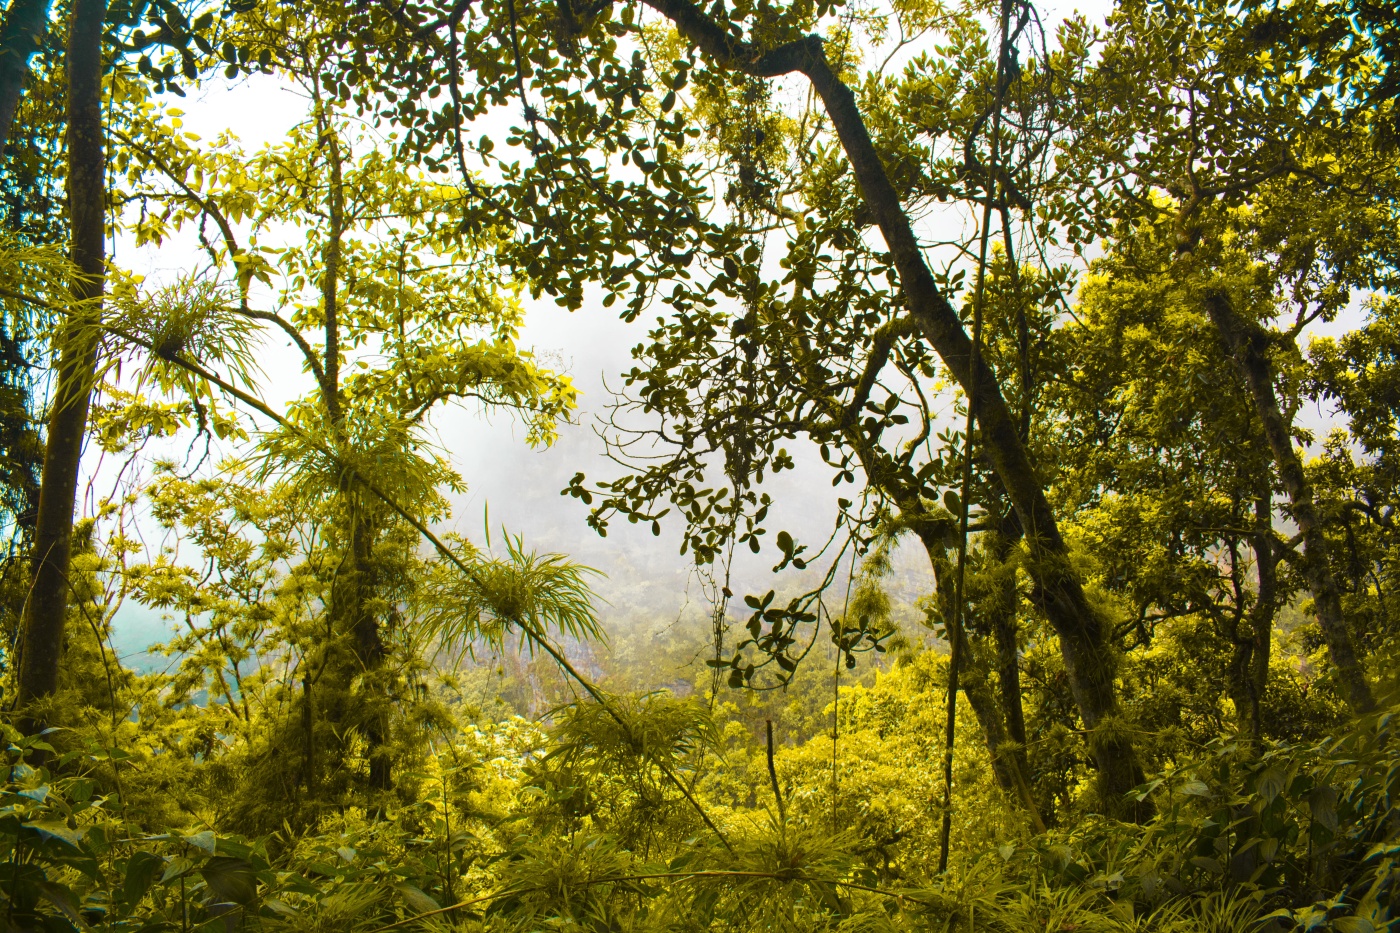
(563, 883)
(522, 595)
(631, 731)
(364, 450)
(34, 285)
(193, 319)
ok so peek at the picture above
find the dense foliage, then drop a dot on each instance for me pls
(1098, 319)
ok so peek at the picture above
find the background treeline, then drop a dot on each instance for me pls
(1053, 305)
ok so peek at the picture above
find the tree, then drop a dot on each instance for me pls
(872, 336)
(317, 694)
(76, 341)
(41, 643)
(1163, 460)
(409, 314)
(1230, 150)
(1355, 475)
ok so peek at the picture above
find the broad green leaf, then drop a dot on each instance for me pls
(57, 829)
(231, 879)
(141, 871)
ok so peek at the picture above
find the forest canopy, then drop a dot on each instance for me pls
(1073, 342)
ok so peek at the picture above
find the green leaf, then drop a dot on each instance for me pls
(1270, 784)
(1353, 925)
(417, 901)
(141, 871)
(175, 868)
(1322, 802)
(1268, 848)
(231, 879)
(203, 840)
(64, 900)
(57, 829)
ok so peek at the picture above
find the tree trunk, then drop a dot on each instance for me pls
(975, 681)
(974, 670)
(355, 592)
(308, 728)
(26, 22)
(1008, 758)
(47, 607)
(1004, 633)
(1248, 344)
(1262, 621)
(1089, 660)
(369, 650)
(1249, 663)
(358, 670)
(1249, 670)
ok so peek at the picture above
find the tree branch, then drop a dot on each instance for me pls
(1082, 629)
(212, 210)
(882, 341)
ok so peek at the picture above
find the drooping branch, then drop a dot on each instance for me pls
(211, 209)
(881, 344)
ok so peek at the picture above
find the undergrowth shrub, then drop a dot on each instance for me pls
(590, 835)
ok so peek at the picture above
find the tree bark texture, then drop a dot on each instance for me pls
(1011, 775)
(23, 29)
(47, 606)
(1248, 345)
(308, 728)
(355, 591)
(1089, 660)
(358, 668)
(1008, 756)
